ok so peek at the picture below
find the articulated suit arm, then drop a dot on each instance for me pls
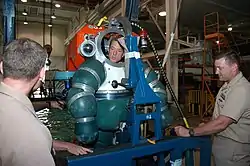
(81, 101)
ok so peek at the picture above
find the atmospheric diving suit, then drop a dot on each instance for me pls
(100, 110)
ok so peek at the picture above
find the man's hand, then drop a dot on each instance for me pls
(57, 104)
(77, 150)
(181, 131)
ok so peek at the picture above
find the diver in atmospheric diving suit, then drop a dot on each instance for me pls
(99, 109)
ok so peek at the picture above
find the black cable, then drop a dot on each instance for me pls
(163, 73)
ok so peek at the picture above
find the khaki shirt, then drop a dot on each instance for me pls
(233, 100)
(24, 140)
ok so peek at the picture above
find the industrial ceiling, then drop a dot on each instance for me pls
(190, 22)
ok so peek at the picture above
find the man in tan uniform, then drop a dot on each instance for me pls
(230, 123)
(24, 140)
(57, 144)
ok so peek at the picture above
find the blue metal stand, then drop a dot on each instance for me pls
(9, 20)
(124, 156)
(143, 95)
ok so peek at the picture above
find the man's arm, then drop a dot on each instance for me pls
(59, 145)
(234, 107)
(40, 105)
(214, 126)
(231, 112)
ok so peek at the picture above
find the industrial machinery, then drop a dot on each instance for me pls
(109, 101)
(98, 102)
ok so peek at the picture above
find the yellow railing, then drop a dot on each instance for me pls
(194, 102)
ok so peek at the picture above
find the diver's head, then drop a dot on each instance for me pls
(116, 51)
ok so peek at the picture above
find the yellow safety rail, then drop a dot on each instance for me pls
(194, 102)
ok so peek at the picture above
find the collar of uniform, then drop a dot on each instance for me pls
(235, 79)
(7, 90)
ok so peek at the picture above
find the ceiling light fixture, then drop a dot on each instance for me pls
(50, 25)
(25, 13)
(57, 5)
(23, 0)
(163, 13)
(53, 16)
(229, 28)
(25, 23)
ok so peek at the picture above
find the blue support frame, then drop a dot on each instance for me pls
(124, 156)
(63, 75)
(9, 21)
(143, 95)
(132, 10)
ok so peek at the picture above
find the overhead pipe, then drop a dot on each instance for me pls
(123, 6)
(152, 55)
(50, 30)
(174, 52)
(38, 21)
(172, 34)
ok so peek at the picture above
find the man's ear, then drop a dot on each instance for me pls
(42, 74)
(235, 66)
(1, 67)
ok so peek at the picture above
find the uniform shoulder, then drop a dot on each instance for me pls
(243, 84)
(241, 90)
(9, 103)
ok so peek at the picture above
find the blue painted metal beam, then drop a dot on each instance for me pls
(123, 156)
(9, 20)
(132, 10)
(143, 95)
(63, 75)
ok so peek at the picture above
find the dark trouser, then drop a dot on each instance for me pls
(230, 153)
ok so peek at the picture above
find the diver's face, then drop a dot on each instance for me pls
(115, 52)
